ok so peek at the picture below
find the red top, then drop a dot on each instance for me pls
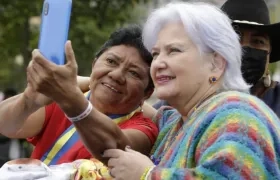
(56, 123)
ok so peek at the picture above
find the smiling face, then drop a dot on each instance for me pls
(118, 81)
(178, 70)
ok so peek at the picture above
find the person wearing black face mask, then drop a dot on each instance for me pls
(260, 41)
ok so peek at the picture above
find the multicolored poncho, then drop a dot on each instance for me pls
(232, 135)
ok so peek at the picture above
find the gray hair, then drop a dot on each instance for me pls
(209, 29)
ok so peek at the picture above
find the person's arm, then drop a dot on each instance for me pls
(20, 117)
(83, 83)
(148, 110)
(99, 132)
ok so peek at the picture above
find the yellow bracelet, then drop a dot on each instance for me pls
(146, 172)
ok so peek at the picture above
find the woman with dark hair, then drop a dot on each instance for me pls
(109, 116)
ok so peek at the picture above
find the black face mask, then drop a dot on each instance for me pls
(253, 64)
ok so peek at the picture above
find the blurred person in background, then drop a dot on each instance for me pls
(260, 40)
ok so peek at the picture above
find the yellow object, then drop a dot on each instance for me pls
(91, 170)
(143, 177)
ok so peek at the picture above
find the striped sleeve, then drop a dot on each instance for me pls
(239, 142)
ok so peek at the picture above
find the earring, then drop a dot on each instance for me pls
(267, 79)
(212, 79)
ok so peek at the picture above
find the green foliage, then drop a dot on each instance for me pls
(91, 23)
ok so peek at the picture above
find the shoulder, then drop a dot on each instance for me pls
(242, 101)
(137, 118)
(241, 119)
(272, 98)
(237, 102)
(236, 111)
(165, 115)
(143, 124)
(273, 91)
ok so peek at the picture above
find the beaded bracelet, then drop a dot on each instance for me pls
(82, 115)
(147, 172)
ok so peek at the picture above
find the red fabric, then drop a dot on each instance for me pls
(56, 123)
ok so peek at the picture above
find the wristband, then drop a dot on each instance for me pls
(82, 115)
(147, 172)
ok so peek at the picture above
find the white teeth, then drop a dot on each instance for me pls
(107, 85)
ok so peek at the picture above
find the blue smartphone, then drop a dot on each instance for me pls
(55, 22)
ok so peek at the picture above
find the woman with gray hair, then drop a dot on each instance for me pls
(216, 130)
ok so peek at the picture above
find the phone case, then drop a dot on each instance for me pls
(55, 21)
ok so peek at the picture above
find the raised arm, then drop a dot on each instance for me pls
(148, 110)
(83, 83)
(21, 116)
(99, 132)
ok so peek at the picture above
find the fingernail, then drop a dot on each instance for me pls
(128, 147)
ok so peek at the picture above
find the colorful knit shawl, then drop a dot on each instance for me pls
(232, 135)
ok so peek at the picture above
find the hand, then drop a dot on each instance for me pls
(36, 98)
(57, 82)
(41, 100)
(128, 164)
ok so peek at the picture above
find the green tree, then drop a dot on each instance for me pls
(91, 23)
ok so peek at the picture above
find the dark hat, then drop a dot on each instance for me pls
(255, 14)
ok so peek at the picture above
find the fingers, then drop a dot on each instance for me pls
(70, 55)
(37, 70)
(32, 76)
(37, 57)
(128, 149)
(112, 172)
(112, 162)
(112, 153)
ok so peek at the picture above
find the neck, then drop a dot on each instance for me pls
(186, 106)
(109, 109)
(97, 105)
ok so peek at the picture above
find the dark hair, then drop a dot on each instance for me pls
(130, 36)
(9, 92)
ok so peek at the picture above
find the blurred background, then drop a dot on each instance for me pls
(91, 23)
